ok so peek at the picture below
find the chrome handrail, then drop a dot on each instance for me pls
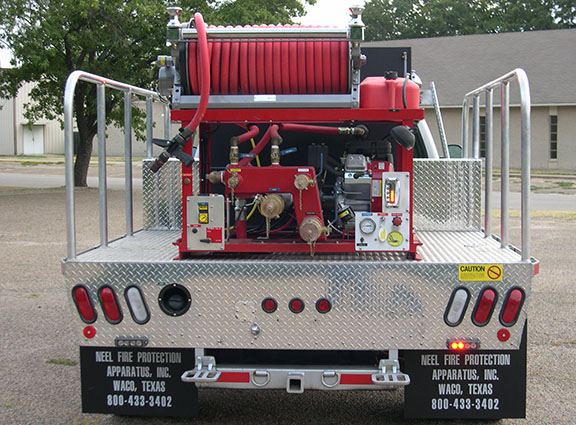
(503, 82)
(129, 91)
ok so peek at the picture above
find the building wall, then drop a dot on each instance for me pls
(7, 126)
(53, 132)
(540, 135)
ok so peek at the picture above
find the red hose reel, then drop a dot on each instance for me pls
(273, 66)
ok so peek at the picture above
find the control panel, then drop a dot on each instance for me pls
(388, 230)
(205, 220)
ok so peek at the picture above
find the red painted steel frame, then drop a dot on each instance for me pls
(258, 176)
(302, 115)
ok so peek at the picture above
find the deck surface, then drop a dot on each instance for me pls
(437, 247)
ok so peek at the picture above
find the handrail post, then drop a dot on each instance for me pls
(526, 164)
(149, 127)
(465, 136)
(489, 162)
(505, 163)
(166, 121)
(128, 162)
(476, 127)
(69, 165)
(102, 186)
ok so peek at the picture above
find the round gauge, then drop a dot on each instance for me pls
(395, 239)
(367, 226)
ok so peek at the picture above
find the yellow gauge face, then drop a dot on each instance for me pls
(395, 239)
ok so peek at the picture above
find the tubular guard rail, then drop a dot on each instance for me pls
(487, 90)
(129, 91)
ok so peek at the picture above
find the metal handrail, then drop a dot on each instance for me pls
(129, 91)
(504, 83)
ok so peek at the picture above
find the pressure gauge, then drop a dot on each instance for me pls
(367, 226)
(395, 239)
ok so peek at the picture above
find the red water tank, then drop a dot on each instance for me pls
(386, 93)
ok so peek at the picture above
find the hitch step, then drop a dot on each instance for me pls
(204, 371)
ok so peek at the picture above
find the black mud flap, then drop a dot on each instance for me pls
(137, 381)
(469, 385)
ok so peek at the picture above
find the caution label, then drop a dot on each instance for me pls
(480, 272)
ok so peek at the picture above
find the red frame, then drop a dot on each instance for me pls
(310, 196)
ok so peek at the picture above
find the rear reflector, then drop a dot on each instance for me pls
(457, 307)
(323, 306)
(110, 305)
(269, 305)
(512, 306)
(296, 305)
(137, 305)
(484, 307)
(356, 379)
(84, 304)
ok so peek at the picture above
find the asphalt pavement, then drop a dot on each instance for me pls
(39, 372)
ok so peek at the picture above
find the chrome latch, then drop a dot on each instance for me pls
(390, 374)
(204, 371)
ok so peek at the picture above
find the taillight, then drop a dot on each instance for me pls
(110, 305)
(296, 305)
(137, 305)
(84, 304)
(484, 307)
(269, 305)
(457, 307)
(463, 344)
(512, 306)
(323, 305)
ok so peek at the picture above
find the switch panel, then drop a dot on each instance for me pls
(205, 219)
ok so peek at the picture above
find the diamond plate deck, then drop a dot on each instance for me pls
(378, 301)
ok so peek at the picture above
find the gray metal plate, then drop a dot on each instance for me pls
(377, 303)
(447, 194)
(162, 195)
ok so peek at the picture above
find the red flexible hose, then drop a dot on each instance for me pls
(260, 145)
(205, 74)
(225, 67)
(250, 134)
(309, 128)
(273, 66)
(234, 64)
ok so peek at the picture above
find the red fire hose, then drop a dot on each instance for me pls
(272, 66)
(175, 146)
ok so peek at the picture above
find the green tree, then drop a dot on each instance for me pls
(118, 39)
(397, 19)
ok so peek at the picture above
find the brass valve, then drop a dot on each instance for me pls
(233, 181)
(311, 229)
(271, 206)
(302, 182)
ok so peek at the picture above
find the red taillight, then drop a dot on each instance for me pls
(484, 307)
(323, 305)
(296, 305)
(269, 305)
(512, 306)
(83, 304)
(110, 305)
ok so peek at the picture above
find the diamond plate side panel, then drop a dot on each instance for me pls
(447, 194)
(376, 305)
(162, 196)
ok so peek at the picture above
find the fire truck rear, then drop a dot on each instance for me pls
(301, 232)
